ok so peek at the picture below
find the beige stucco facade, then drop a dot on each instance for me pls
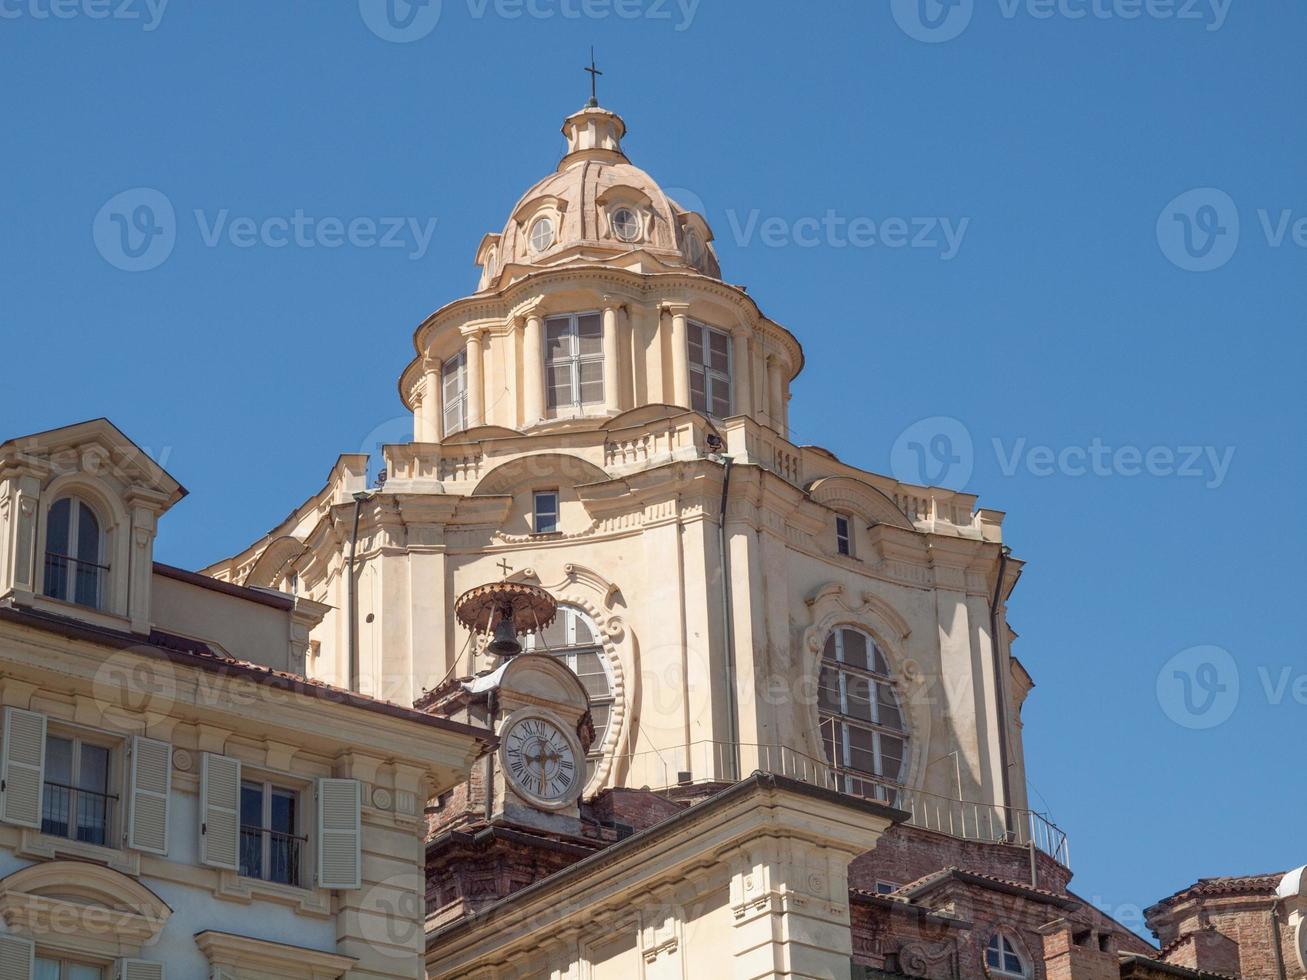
(139, 715)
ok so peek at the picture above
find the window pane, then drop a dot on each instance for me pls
(891, 756)
(592, 382)
(590, 332)
(558, 380)
(251, 805)
(94, 768)
(591, 673)
(721, 400)
(698, 390)
(858, 696)
(46, 969)
(855, 649)
(558, 340)
(828, 651)
(57, 802)
(584, 634)
(599, 714)
(696, 345)
(59, 760)
(991, 957)
(283, 811)
(890, 715)
(719, 358)
(56, 535)
(251, 830)
(80, 971)
(828, 690)
(555, 634)
(88, 535)
(862, 756)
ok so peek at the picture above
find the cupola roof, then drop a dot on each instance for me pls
(596, 208)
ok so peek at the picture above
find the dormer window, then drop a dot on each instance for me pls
(1002, 958)
(843, 535)
(542, 234)
(626, 224)
(74, 554)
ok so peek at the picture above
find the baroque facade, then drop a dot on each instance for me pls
(607, 418)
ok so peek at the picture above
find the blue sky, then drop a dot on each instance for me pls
(1058, 327)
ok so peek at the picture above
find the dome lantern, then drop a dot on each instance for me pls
(594, 133)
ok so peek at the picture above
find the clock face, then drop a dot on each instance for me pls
(541, 761)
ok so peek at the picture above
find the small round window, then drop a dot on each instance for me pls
(542, 234)
(626, 225)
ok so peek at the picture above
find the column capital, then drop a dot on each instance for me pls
(431, 364)
(674, 306)
(472, 331)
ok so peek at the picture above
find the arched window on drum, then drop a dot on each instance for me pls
(574, 639)
(862, 726)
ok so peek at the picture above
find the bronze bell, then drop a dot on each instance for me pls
(505, 642)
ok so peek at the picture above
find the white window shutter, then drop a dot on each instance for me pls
(17, 958)
(220, 811)
(340, 833)
(149, 791)
(22, 768)
(138, 970)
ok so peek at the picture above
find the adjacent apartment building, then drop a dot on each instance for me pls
(177, 798)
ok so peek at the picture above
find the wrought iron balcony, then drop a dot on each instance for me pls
(77, 814)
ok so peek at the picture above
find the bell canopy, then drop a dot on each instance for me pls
(596, 208)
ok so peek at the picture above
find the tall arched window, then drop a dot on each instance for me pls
(74, 550)
(1002, 958)
(861, 722)
(574, 639)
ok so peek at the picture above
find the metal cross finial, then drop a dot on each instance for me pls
(504, 566)
(594, 80)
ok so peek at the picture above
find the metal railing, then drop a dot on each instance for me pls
(271, 855)
(86, 587)
(714, 761)
(76, 813)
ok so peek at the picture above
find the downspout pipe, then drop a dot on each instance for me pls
(1275, 940)
(1000, 692)
(732, 708)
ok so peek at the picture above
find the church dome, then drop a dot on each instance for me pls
(596, 208)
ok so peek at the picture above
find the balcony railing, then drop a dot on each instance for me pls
(77, 814)
(271, 855)
(710, 761)
(75, 580)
